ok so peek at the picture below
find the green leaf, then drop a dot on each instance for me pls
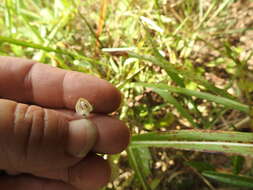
(144, 159)
(232, 104)
(237, 143)
(233, 180)
(155, 182)
(159, 60)
(167, 97)
(4, 39)
(238, 162)
(200, 166)
(171, 69)
(136, 163)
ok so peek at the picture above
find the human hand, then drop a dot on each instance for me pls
(42, 141)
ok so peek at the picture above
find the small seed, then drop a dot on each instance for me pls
(83, 107)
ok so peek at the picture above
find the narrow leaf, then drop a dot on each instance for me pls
(170, 68)
(167, 97)
(232, 104)
(238, 162)
(17, 42)
(195, 140)
(200, 166)
(134, 162)
(235, 180)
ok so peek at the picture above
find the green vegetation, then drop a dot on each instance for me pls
(184, 67)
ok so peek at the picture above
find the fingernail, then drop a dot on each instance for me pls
(82, 137)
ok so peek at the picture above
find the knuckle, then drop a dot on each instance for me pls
(45, 139)
(27, 80)
(31, 137)
(27, 121)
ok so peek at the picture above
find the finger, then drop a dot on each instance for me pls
(11, 172)
(113, 134)
(28, 182)
(34, 139)
(92, 173)
(29, 82)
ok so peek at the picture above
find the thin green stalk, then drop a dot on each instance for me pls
(135, 165)
(91, 30)
(45, 48)
(8, 16)
(32, 28)
(221, 7)
(206, 15)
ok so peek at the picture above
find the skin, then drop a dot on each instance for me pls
(37, 103)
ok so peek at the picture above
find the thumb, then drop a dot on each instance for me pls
(35, 139)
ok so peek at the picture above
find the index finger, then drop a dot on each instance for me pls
(29, 82)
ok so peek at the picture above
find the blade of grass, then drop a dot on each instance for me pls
(203, 19)
(218, 114)
(63, 20)
(180, 26)
(203, 95)
(234, 180)
(173, 75)
(17, 6)
(93, 33)
(238, 162)
(57, 27)
(134, 162)
(221, 7)
(204, 141)
(197, 167)
(8, 16)
(48, 49)
(186, 74)
(29, 14)
(144, 158)
(211, 147)
(179, 80)
(123, 83)
(32, 28)
(101, 21)
(197, 135)
(200, 166)
(201, 9)
(185, 113)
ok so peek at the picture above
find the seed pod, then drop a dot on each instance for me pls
(83, 107)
